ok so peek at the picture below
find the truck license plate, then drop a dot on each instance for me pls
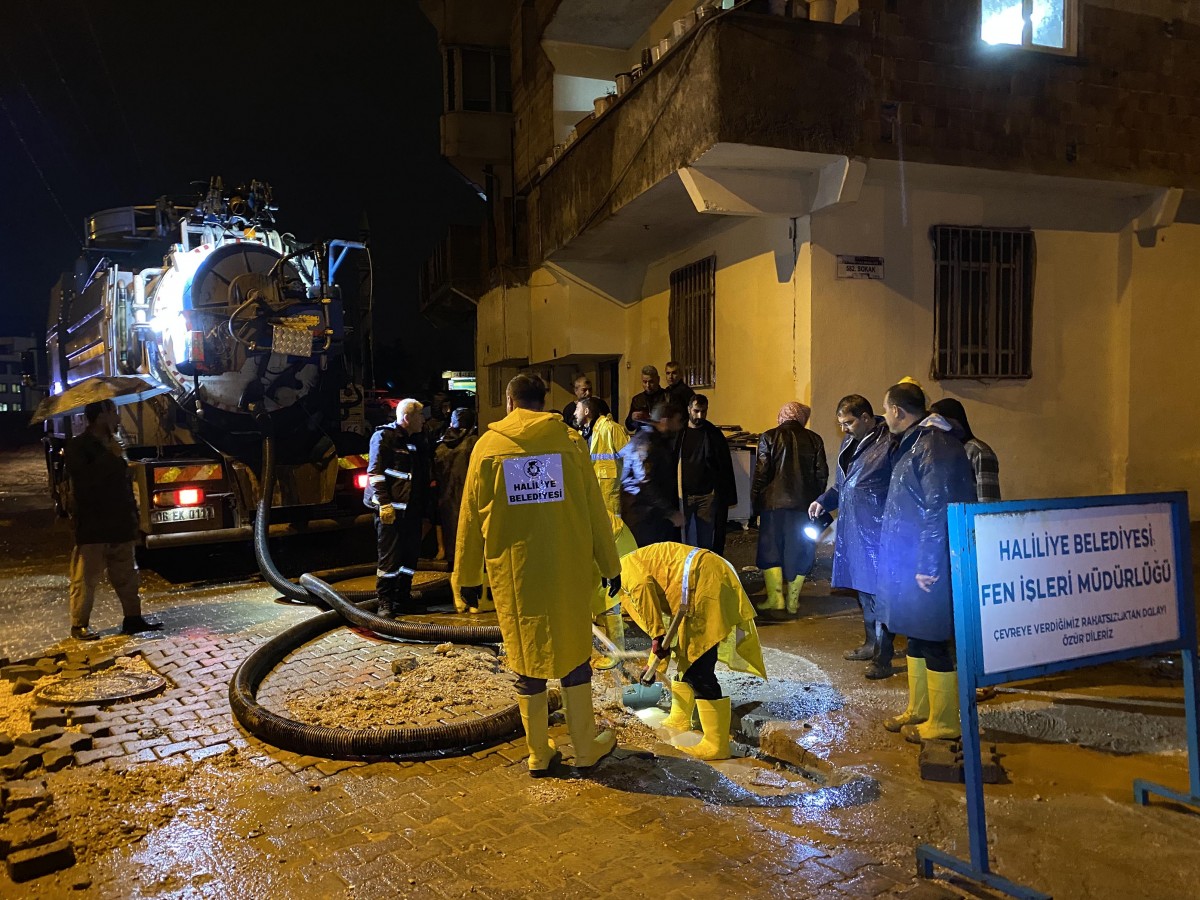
(182, 514)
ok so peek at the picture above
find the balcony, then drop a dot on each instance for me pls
(760, 115)
(452, 280)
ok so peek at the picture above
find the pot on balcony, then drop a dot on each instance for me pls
(602, 104)
(624, 82)
(663, 46)
(655, 54)
(821, 10)
(682, 25)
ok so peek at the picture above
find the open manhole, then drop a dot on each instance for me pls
(108, 686)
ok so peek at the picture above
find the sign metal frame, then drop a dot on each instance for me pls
(969, 642)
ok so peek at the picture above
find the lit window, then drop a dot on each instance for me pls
(1048, 25)
(690, 321)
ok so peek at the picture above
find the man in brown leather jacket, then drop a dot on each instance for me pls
(790, 473)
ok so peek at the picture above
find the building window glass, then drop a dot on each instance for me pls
(1049, 25)
(983, 302)
(3, 387)
(477, 80)
(691, 318)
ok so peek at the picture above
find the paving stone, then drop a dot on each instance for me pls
(24, 836)
(40, 736)
(929, 890)
(38, 861)
(22, 686)
(82, 715)
(48, 665)
(28, 794)
(70, 674)
(46, 716)
(6, 743)
(848, 862)
(20, 760)
(87, 757)
(54, 760)
(72, 742)
(18, 671)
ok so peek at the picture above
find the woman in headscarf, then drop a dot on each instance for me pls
(790, 473)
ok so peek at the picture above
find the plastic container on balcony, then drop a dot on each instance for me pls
(682, 25)
(624, 82)
(663, 46)
(777, 7)
(655, 54)
(707, 10)
(637, 72)
(601, 104)
(821, 10)
(647, 57)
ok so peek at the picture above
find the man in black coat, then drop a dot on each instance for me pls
(649, 481)
(399, 473)
(105, 519)
(641, 405)
(678, 391)
(789, 473)
(707, 474)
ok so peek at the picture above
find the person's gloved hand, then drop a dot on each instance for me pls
(387, 514)
(657, 648)
(613, 584)
(471, 594)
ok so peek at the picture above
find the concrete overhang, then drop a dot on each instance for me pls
(615, 24)
(1041, 202)
(714, 193)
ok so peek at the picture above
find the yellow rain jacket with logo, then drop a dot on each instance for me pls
(607, 439)
(530, 508)
(719, 612)
(601, 602)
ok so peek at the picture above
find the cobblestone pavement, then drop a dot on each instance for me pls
(239, 818)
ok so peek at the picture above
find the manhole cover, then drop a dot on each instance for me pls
(102, 687)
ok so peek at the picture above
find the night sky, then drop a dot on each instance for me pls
(335, 105)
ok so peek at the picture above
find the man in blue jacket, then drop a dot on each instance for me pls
(930, 471)
(864, 469)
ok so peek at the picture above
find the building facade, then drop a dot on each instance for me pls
(1004, 207)
(15, 396)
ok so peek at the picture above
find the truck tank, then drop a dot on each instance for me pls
(246, 329)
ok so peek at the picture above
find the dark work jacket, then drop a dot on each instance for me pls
(791, 469)
(102, 505)
(680, 394)
(930, 471)
(643, 402)
(407, 456)
(858, 494)
(450, 463)
(649, 486)
(713, 454)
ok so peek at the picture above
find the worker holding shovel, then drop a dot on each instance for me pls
(710, 619)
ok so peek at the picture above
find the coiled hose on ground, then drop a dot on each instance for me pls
(338, 743)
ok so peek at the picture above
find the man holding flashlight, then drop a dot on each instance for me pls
(859, 492)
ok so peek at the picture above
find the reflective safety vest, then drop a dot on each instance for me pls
(608, 437)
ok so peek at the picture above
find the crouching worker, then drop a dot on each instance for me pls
(606, 615)
(663, 581)
(531, 506)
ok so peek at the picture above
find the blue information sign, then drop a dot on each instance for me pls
(1044, 586)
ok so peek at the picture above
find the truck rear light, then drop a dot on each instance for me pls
(361, 480)
(189, 497)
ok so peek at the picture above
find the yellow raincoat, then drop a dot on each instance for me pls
(608, 437)
(531, 506)
(719, 611)
(601, 602)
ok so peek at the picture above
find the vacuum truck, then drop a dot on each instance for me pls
(244, 331)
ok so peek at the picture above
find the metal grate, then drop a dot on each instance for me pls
(691, 321)
(983, 302)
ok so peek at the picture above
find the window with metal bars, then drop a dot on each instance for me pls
(983, 302)
(691, 321)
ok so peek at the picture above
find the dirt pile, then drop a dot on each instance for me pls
(446, 683)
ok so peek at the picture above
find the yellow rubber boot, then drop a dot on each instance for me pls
(590, 746)
(918, 697)
(535, 713)
(774, 598)
(714, 719)
(683, 705)
(793, 594)
(943, 721)
(613, 627)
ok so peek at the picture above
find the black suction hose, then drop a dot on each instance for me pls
(340, 743)
(343, 743)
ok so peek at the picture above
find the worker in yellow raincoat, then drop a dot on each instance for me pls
(717, 623)
(605, 439)
(605, 613)
(530, 508)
